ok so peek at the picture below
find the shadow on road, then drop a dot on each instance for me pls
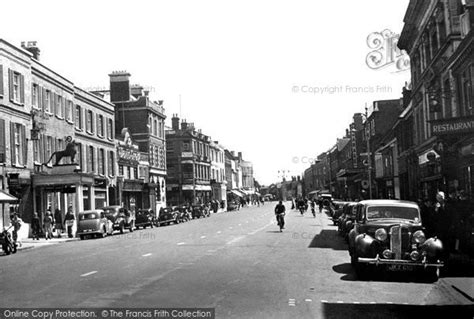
(328, 238)
(273, 231)
(379, 275)
(369, 311)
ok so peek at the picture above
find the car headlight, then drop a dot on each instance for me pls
(419, 237)
(381, 234)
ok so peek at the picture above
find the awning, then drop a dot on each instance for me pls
(7, 198)
(235, 192)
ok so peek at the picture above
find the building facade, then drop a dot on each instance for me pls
(188, 164)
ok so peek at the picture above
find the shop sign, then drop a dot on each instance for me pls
(452, 126)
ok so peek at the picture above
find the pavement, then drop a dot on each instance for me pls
(236, 262)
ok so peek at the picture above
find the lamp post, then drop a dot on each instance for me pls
(369, 159)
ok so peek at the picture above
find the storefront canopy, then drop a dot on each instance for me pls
(236, 192)
(7, 198)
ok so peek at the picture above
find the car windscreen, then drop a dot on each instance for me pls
(410, 213)
(88, 216)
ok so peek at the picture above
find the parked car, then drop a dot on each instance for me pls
(388, 234)
(200, 211)
(346, 220)
(184, 213)
(338, 208)
(145, 217)
(167, 216)
(93, 223)
(233, 205)
(121, 217)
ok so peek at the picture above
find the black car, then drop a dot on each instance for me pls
(121, 217)
(200, 211)
(145, 217)
(388, 235)
(167, 216)
(346, 220)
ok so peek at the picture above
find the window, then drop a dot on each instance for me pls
(78, 117)
(100, 160)
(2, 141)
(36, 151)
(69, 111)
(35, 96)
(467, 91)
(155, 127)
(100, 125)
(1, 81)
(110, 129)
(47, 101)
(121, 170)
(78, 158)
(49, 147)
(90, 159)
(17, 87)
(186, 146)
(90, 122)
(111, 164)
(18, 148)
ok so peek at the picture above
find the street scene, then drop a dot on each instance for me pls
(237, 160)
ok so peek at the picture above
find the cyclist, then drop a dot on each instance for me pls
(280, 215)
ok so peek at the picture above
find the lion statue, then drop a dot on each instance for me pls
(69, 151)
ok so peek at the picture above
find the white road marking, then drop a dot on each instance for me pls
(88, 273)
(324, 301)
(240, 224)
(292, 302)
(146, 255)
(212, 250)
(236, 239)
(230, 227)
(340, 301)
(356, 302)
(219, 232)
(308, 300)
(179, 244)
(202, 237)
(372, 302)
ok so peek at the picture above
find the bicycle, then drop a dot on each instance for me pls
(281, 221)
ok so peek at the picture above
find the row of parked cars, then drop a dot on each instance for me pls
(104, 221)
(387, 235)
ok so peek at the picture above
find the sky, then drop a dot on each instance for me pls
(278, 81)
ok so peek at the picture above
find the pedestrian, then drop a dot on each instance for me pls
(48, 225)
(16, 223)
(35, 226)
(58, 220)
(69, 221)
(442, 221)
(280, 215)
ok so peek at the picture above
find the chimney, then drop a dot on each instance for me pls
(175, 122)
(119, 86)
(32, 48)
(240, 155)
(358, 121)
(136, 91)
(347, 132)
(184, 125)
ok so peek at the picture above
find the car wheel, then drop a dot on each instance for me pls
(151, 225)
(104, 233)
(122, 228)
(431, 274)
(6, 249)
(82, 237)
(132, 227)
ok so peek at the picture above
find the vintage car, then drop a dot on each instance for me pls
(346, 220)
(233, 205)
(200, 211)
(338, 208)
(168, 215)
(145, 217)
(184, 213)
(388, 234)
(121, 217)
(93, 223)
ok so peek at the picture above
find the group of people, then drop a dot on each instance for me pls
(53, 223)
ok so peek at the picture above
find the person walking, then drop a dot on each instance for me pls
(35, 226)
(58, 220)
(48, 225)
(16, 223)
(69, 221)
(442, 222)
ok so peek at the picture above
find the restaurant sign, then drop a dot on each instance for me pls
(453, 126)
